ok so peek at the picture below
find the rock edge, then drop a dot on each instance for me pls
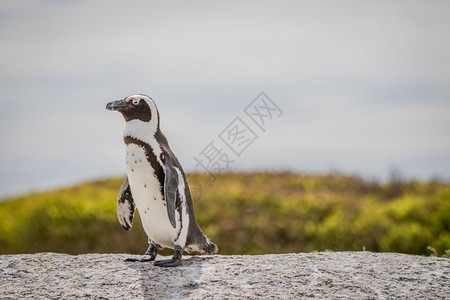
(326, 275)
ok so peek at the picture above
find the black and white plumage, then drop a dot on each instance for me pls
(156, 186)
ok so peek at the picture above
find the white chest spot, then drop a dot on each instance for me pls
(146, 191)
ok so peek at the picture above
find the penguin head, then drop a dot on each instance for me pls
(136, 107)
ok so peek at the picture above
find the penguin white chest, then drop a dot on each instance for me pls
(146, 191)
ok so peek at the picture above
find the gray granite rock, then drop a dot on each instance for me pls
(329, 275)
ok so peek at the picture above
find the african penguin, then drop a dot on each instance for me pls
(156, 186)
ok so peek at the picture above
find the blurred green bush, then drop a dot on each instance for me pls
(244, 213)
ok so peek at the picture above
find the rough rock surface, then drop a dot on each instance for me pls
(332, 275)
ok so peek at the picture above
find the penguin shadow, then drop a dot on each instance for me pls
(197, 260)
(177, 282)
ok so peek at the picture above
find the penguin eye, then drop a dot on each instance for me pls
(136, 101)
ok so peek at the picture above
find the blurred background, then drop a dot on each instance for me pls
(364, 89)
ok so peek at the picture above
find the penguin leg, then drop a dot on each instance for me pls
(149, 255)
(175, 261)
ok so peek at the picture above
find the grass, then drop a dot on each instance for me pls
(244, 213)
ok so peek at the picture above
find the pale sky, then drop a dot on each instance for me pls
(364, 86)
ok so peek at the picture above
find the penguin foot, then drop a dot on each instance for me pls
(169, 263)
(175, 261)
(150, 254)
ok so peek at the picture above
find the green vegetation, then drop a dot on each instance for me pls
(243, 213)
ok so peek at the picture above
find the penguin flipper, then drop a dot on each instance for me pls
(125, 206)
(170, 190)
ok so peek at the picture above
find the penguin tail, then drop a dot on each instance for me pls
(205, 246)
(209, 247)
(201, 244)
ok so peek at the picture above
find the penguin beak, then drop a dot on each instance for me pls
(118, 105)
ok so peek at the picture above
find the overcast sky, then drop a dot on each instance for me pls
(364, 86)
